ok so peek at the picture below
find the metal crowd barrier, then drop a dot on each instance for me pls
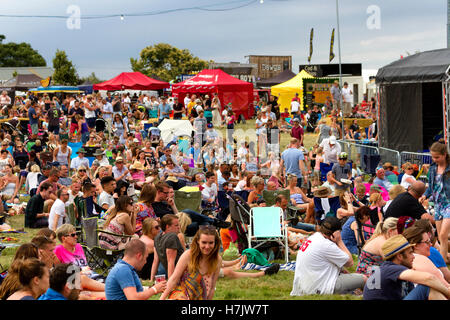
(390, 155)
(416, 158)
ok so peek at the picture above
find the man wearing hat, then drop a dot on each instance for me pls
(120, 171)
(341, 170)
(319, 263)
(99, 155)
(79, 160)
(331, 150)
(297, 130)
(394, 279)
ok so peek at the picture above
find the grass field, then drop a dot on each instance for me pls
(276, 287)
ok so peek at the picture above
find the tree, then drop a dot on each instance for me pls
(166, 62)
(65, 73)
(19, 55)
(92, 78)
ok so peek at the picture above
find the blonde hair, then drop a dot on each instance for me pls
(256, 180)
(35, 168)
(374, 198)
(64, 230)
(184, 220)
(383, 227)
(395, 191)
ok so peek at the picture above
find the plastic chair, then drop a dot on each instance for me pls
(267, 225)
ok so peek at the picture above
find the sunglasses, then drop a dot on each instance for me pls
(427, 242)
(82, 170)
(73, 235)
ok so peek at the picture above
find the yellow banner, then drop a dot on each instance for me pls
(331, 46)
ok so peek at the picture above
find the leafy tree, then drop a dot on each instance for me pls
(19, 55)
(65, 73)
(166, 61)
(92, 78)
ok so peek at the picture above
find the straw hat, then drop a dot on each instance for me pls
(394, 245)
(322, 192)
(98, 152)
(137, 165)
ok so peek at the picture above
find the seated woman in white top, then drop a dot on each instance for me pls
(407, 178)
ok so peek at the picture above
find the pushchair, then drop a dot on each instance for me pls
(240, 216)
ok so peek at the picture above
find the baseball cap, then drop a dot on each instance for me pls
(332, 224)
(332, 140)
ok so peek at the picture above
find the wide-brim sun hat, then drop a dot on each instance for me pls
(322, 192)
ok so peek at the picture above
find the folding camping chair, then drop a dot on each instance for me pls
(270, 196)
(98, 258)
(324, 169)
(188, 200)
(325, 207)
(267, 225)
(364, 232)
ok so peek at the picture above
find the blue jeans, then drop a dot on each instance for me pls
(420, 292)
(197, 220)
(304, 226)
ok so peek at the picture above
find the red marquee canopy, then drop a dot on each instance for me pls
(228, 88)
(133, 81)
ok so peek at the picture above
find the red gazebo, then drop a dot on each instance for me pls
(133, 81)
(228, 88)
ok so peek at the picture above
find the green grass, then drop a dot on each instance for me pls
(275, 287)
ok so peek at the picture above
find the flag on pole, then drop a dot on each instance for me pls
(331, 46)
(311, 45)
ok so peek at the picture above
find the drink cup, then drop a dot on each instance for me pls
(160, 278)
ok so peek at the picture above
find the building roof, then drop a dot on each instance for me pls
(6, 73)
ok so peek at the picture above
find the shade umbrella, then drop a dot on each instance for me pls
(171, 129)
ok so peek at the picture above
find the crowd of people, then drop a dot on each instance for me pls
(125, 175)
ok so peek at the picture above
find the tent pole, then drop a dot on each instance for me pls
(340, 64)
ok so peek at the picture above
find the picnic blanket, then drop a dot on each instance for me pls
(290, 266)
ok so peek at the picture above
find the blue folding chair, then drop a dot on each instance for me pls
(267, 225)
(243, 194)
(325, 207)
(324, 169)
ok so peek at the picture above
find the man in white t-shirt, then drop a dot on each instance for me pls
(210, 190)
(106, 198)
(295, 106)
(347, 96)
(331, 150)
(319, 263)
(57, 216)
(186, 100)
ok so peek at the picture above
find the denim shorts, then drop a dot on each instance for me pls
(441, 214)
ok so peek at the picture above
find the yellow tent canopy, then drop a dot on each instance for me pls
(286, 91)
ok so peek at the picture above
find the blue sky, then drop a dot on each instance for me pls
(274, 27)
